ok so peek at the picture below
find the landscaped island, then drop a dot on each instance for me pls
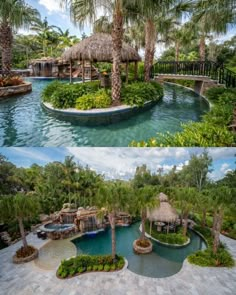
(90, 95)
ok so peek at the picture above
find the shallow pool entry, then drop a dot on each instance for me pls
(24, 122)
(162, 262)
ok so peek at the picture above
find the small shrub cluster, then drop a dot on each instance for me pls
(143, 243)
(229, 228)
(138, 93)
(171, 238)
(208, 258)
(99, 99)
(11, 81)
(211, 132)
(62, 95)
(87, 263)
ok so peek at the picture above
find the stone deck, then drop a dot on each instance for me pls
(29, 279)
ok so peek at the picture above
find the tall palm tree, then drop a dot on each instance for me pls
(19, 207)
(113, 197)
(144, 199)
(212, 17)
(221, 197)
(14, 14)
(46, 33)
(83, 10)
(186, 198)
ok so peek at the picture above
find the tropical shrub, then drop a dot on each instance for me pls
(171, 238)
(211, 132)
(83, 263)
(138, 93)
(208, 258)
(11, 81)
(62, 95)
(99, 99)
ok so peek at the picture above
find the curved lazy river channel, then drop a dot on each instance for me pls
(24, 122)
(162, 262)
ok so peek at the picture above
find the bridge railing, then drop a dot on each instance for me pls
(209, 69)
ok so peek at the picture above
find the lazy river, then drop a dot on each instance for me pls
(162, 262)
(24, 122)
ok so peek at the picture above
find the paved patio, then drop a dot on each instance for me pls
(30, 279)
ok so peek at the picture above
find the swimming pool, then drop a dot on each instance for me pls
(162, 262)
(24, 122)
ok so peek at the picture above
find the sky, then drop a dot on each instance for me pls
(61, 18)
(120, 163)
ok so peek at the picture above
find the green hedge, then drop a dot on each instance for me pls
(85, 96)
(86, 263)
(62, 95)
(213, 131)
(171, 238)
(99, 99)
(138, 93)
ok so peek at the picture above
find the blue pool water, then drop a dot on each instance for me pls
(162, 262)
(23, 121)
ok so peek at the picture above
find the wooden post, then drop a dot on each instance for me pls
(135, 70)
(150, 231)
(127, 73)
(70, 71)
(90, 71)
(83, 71)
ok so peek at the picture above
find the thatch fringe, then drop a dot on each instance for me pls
(98, 48)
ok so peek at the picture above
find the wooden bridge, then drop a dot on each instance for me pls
(205, 74)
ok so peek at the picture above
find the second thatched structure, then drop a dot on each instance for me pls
(98, 48)
(164, 213)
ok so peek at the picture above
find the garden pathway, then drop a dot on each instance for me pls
(29, 279)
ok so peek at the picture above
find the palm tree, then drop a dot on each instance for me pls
(46, 34)
(211, 17)
(19, 207)
(113, 197)
(83, 10)
(14, 14)
(222, 200)
(102, 25)
(186, 198)
(144, 199)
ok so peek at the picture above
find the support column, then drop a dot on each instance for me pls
(127, 73)
(135, 70)
(83, 80)
(90, 71)
(70, 71)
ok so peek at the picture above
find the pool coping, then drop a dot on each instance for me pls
(95, 112)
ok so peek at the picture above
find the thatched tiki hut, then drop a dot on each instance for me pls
(98, 48)
(164, 213)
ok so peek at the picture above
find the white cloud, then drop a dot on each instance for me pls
(51, 5)
(31, 154)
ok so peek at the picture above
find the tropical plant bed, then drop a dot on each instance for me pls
(24, 255)
(176, 239)
(87, 263)
(212, 131)
(142, 246)
(89, 95)
(14, 89)
(207, 257)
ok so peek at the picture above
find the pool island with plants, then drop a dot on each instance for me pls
(91, 104)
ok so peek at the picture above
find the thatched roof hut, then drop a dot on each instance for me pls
(164, 213)
(98, 48)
